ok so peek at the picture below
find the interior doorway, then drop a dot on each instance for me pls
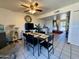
(61, 23)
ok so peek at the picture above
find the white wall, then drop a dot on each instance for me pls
(38, 21)
(8, 17)
(74, 28)
(73, 37)
(48, 21)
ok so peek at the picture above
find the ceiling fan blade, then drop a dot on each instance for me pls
(39, 10)
(26, 11)
(24, 6)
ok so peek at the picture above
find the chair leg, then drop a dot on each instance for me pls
(53, 50)
(25, 43)
(33, 51)
(40, 50)
(48, 55)
(14, 56)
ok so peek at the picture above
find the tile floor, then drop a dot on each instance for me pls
(62, 50)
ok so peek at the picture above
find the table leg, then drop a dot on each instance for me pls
(38, 47)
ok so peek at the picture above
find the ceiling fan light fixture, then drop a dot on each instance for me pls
(32, 11)
(32, 7)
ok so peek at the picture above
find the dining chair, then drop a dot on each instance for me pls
(31, 41)
(48, 44)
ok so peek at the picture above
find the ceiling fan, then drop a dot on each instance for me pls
(32, 7)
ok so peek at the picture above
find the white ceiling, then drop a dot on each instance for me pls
(47, 5)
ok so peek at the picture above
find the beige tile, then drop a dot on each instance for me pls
(74, 56)
(65, 53)
(75, 48)
(66, 50)
(75, 53)
(57, 53)
(53, 57)
(42, 57)
(64, 57)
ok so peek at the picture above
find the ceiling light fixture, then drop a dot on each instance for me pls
(32, 7)
(32, 11)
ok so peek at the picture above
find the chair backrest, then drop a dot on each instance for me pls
(51, 37)
(24, 34)
(42, 32)
(30, 36)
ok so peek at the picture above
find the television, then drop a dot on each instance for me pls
(29, 26)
